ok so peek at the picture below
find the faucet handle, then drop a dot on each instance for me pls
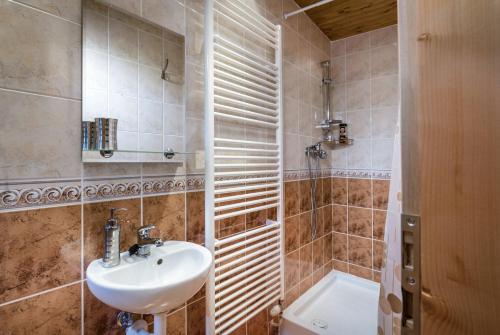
(143, 232)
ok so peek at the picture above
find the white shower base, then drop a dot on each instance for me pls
(340, 304)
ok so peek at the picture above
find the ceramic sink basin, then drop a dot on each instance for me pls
(160, 282)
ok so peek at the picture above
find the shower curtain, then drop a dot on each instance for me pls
(390, 296)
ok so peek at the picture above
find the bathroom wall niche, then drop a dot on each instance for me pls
(133, 71)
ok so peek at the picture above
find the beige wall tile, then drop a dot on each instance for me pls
(290, 81)
(67, 9)
(125, 110)
(359, 154)
(385, 91)
(359, 122)
(358, 66)
(384, 122)
(40, 53)
(305, 120)
(371, 71)
(194, 35)
(382, 153)
(123, 40)
(173, 120)
(96, 70)
(95, 29)
(150, 49)
(40, 136)
(195, 93)
(122, 77)
(150, 83)
(291, 45)
(168, 14)
(291, 156)
(291, 116)
(130, 6)
(357, 43)
(338, 67)
(358, 95)
(338, 48)
(384, 60)
(384, 36)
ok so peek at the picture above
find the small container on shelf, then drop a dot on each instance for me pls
(106, 136)
(88, 135)
(343, 134)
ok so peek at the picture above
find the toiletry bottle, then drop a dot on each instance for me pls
(343, 133)
(112, 228)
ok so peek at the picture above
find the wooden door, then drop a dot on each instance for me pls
(450, 71)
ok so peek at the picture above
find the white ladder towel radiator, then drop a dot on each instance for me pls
(243, 163)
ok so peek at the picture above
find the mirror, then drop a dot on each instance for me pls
(133, 87)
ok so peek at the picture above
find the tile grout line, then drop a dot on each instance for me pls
(44, 12)
(40, 293)
(20, 91)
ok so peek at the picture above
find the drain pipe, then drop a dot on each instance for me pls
(131, 327)
(276, 313)
(139, 327)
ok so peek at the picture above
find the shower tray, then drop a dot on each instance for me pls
(339, 304)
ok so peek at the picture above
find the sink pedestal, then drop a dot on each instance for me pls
(160, 324)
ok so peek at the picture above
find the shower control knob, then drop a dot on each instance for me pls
(323, 154)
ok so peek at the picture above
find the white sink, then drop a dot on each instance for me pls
(164, 280)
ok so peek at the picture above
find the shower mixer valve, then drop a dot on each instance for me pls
(316, 151)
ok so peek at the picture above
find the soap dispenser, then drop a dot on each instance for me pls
(112, 240)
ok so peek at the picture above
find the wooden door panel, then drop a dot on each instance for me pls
(457, 115)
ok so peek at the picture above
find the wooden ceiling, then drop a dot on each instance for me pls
(343, 18)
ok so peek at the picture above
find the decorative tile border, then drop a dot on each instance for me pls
(290, 175)
(195, 182)
(100, 190)
(48, 193)
(35, 194)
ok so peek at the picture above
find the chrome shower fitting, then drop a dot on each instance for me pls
(315, 151)
(326, 83)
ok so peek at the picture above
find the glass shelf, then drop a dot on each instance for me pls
(133, 156)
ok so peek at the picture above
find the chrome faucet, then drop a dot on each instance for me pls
(145, 242)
